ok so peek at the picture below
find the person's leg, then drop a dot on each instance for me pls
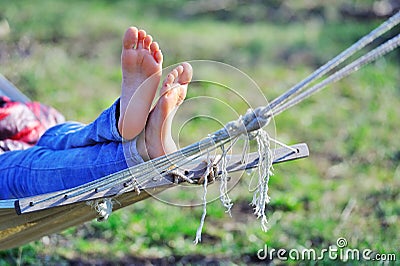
(156, 139)
(75, 135)
(141, 63)
(41, 170)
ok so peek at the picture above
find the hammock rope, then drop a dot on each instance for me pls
(334, 62)
(345, 71)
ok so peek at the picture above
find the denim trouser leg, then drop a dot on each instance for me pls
(67, 155)
(73, 134)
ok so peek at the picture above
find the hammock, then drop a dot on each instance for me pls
(27, 219)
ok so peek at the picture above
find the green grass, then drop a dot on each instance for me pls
(67, 54)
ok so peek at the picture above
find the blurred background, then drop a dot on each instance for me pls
(67, 54)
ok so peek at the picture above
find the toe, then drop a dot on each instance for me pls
(158, 56)
(147, 41)
(154, 47)
(141, 37)
(179, 69)
(186, 75)
(170, 79)
(167, 84)
(175, 73)
(156, 52)
(130, 38)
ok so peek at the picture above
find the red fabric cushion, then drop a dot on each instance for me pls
(21, 125)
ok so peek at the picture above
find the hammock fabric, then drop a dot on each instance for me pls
(23, 220)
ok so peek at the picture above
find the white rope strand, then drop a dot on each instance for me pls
(204, 198)
(223, 188)
(260, 196)
(283, 145)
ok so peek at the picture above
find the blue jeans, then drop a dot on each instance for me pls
(66, 156)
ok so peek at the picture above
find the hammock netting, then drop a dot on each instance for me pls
(27, 219)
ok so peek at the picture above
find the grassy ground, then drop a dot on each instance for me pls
(67, 54)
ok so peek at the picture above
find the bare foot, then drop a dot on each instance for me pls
(141, 62)
(156, 139)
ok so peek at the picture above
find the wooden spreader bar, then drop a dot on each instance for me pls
(193, 172)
